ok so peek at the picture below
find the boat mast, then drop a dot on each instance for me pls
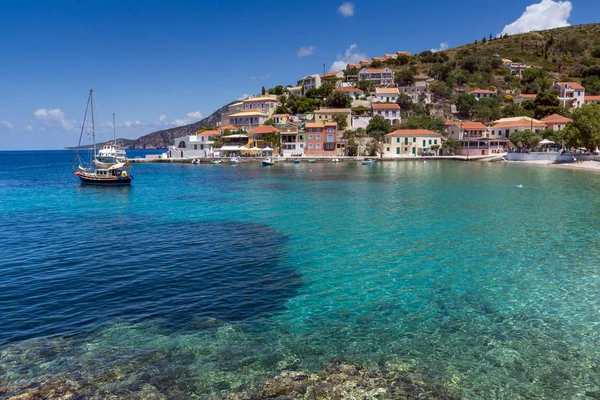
(115, 134)
(93, 127)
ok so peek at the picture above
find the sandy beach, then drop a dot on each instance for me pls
(583, 165)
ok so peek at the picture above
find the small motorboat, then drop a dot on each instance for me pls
(335, 160)
(296, 161)
(369, 162)
(312, 161)
(234, 160)
(268, 162)
(195, 161)
(216, 161)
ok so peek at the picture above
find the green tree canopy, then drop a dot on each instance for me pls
(378, 127)
(341, 120)
(405, 102)
(585, 128)
(338, 100)
(525, 139)
(366, 86)
(545, 104)
(465, 104)
(405, 77)
(450, 145)
(515, 110)
(423, 121)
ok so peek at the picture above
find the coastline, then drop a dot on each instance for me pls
(580, 166)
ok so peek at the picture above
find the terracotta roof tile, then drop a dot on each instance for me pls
(573, 85)
(385, 106)
(208, 133)
(413, 132)
(557, 119)
(264, 129)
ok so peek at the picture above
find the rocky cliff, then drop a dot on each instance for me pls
(164, 138)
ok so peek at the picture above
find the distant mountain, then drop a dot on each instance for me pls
(165, 138)
(126, 143)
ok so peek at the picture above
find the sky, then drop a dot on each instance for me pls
(160, 64)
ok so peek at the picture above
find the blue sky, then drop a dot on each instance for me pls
(158, 64)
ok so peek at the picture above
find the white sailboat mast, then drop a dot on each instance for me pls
(93, 127)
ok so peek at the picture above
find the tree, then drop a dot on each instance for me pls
(487, 109)
(515, 110)
(451, 145)
(366, 86)
(338, 100)
(535, 80)
(405, 102)
(263, 91)
(423, 121)
(525, 139)
(341, 120)
(272, 139)
(352, 147)
(465, 103)
(374, 148)
(278, 90)
(435, 147)
(441, 71)
(378, 127)
(282, 109)
(271, 122)
(592, 85)
(470, 63)
(586, 125)
(439, 90)
(545, 104)
(405, 77)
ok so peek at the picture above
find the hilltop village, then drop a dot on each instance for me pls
(405, 105)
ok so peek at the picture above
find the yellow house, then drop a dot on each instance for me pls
(326, 114)
(410, 142)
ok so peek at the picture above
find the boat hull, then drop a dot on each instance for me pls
(104, 181)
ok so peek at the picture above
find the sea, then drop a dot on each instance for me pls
(201, 280)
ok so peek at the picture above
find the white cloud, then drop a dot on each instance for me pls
(131, 122)
(162, 120)
(54, 115)
(195, 114)
(306, 51)
(547, 14)
(7, 124)
(28, 128)
(443, 46)
(181, 121)
(346, 9)
(350, 56)
(243, 97)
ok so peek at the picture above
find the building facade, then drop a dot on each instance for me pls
(505, 127)
(386, 95)
(466, 129)
(266, 103)
(381, 76)
(293, 140)
(326, 115)
(482, 93)
(556, 122)
(248, 119)
(570, 93)
(410, 142)
(391, 112)
(322, 139)
(311, 82)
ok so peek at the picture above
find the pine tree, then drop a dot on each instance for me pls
(483, 40)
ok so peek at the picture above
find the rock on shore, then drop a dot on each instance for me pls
(343, 380)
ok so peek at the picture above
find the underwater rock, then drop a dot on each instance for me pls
(344, 380)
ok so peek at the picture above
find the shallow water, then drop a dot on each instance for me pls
(199, 280)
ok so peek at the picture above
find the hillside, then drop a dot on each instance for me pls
(164, 138)
(126, 143)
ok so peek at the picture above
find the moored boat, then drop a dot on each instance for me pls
(312, 161)
(216, 161)
(101, 169)
(296, 161)
(268, 161)
(234, 160)
(369, 162)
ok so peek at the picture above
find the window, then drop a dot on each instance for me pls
(309, 137)
(201, 147)
(318, 145)
(318, 137)
(387, 149)
(424, 143)
(310, 145)
(397, 140)
(195, 147)
(414, 140)
(429, 141)
(405, 141)
(435, 141)
(330, 138)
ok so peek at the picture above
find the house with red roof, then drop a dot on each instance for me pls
(333, 75)
(322, 139)
(410, 142)
(350, 91)
(379, 76)
(591, 99)
(570, 93)
(482, 93)
(386, 95)
(389, 111)
(556, 122)
(505, 127)
(460, 130)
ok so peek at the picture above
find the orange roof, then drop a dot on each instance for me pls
(573, 85)
(208, 133)
(365, 61)
(482, 91)
(592, 98)
(392, 90)
(378, 59)
(347, 90)
(557, 119)
(449, 123)
(329, 74)
(413, 132)
(264, 129)
(385, 106)
(319, 124)
(474, 126)
(527, 96)
(375, 70)
(521, 123)
(228, 128)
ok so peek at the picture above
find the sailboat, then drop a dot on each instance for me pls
(97, 171)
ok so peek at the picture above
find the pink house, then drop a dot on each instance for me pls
(556, 122)
(390, 111)
(321, 139)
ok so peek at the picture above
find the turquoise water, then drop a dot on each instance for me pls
(200, 280)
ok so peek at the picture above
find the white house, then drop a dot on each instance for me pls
(192, 146)
(266, 103)
(505, 127)
(570, 93)
(379, 76)
(311, 82)
(516, 69)
(386, 95)
(417, 93)
(482, 93)
(292, 140)
(410, 142)
(296, 90)
(391, 112)
(350, 91)
(523, 97)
